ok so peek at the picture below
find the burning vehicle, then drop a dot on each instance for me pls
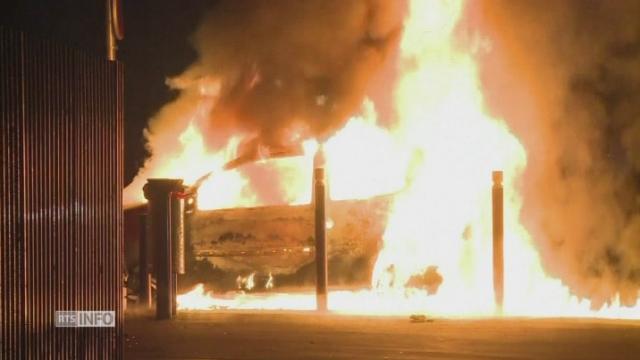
(427, 191)
(320, 179)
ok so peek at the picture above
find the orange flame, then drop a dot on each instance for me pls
(438, 160)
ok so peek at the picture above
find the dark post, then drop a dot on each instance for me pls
(177, 241)
(159, 193)
(174, 294)
(177, 233)
(498, 240)
(319, 201)
(144, 262)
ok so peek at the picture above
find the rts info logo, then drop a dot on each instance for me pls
(85, 319)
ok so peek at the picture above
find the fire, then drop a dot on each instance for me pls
(372, 302)
(355, 156)
(438, 161)
(222, 188)
(270, 283)
(444, 218)
(246, 282)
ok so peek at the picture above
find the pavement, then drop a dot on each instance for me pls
(287, 335)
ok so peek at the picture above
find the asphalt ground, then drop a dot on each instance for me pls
(307, 335)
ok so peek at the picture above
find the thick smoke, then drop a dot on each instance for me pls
(291, 69)
(273, 72)
(566, 76)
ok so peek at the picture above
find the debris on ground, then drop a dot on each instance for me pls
(418, 318)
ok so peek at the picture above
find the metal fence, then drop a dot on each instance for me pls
(61, 125)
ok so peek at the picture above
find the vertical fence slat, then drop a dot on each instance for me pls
(61, 148)
(11, 196)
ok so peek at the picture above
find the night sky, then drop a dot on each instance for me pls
(156, 45)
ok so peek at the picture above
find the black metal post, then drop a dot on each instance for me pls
(498, 240)
(177, 233)
(159, 193)
(144, 268)
(177, 241)
(320, 231)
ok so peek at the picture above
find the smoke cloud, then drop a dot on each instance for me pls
(273, 72)
(566, 76)
(291, 69)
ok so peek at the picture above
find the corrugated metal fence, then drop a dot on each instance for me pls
(60, 198)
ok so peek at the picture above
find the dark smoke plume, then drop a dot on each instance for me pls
(273, 72)
(566, 76)
(291, 69)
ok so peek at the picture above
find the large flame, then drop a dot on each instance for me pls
(438, 160)
(355, 156)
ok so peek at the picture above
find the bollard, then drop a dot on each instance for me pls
(498, 240)
(159, 193)
(319, 193)
(144, 267)
(177, 233)
(177, 243)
